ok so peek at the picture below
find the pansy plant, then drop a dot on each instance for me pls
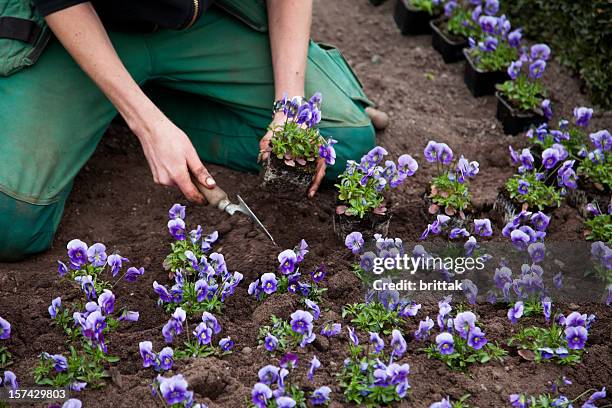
(275, 389)
(373, 376)
(202, 281)
(173, 392)
(201, 336)
(497, 46)
(298, 141)
(362, 185)
(460, 341)
(87, 266)
(597, 163)
(524, 90)
(562, 340)
(449, 189)
(599, 224)
(288, 277)
(298, 331)
(557, 399)
(541, 185)
(5, 333)
(463, 16)
(87, 327)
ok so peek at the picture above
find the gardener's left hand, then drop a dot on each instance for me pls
(264, 152)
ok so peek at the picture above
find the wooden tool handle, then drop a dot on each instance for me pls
(215, 196)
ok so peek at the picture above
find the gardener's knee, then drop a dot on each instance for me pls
(25, 228)
(353, 143)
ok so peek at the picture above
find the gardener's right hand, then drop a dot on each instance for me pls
(173, 159)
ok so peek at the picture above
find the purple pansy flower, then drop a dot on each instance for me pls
(176, 227)
(301, 322)
(576, 336)
(176, 211)
(96, 255)
(320, 396)
(288, 261)
(445, 343)
(582, 115)
(354, 241)
(516, 312)
(77, 252)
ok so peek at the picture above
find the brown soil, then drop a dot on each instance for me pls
(116, 202)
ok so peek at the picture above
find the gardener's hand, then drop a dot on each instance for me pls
(173, 159)
(264, 152)
(279, 119)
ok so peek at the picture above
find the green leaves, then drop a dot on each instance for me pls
(497, 60)
(88, 365)
(357, 385)
(539, 195)
(424, 5)
(523, 94)
(600, 227)
(5, 358)
(296, 141)
(450, 193)
(360, 199)
(533, 338)
(600, 173)
(461, 24)
(464, 355)
(372, 317)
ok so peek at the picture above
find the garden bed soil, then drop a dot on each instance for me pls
(450, 47)
(514, 121)
(410, 20)
(115, 201)
(478, 81)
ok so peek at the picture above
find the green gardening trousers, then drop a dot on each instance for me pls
(213, 80)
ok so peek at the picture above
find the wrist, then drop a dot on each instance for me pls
(143, 119)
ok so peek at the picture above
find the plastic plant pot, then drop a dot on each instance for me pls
(377, 2)
(514, 121)
(451, 48)
(409, 20)
(478, 81)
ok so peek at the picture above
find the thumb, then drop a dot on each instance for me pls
(199, 172)
(318, 178)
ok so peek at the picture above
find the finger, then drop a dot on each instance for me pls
(200, 172)
(264, 146)
(190, 191)
(318, 178)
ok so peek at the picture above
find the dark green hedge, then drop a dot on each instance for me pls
(579, 33)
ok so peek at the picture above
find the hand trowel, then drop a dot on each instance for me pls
(218, 198)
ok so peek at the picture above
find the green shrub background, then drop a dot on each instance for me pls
(579, 33)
